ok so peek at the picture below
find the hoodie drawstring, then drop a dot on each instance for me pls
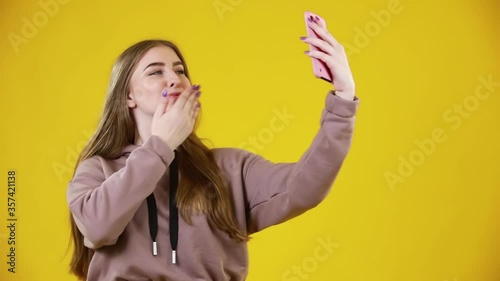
(174, 213)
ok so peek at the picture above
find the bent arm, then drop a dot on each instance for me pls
(102, 207)
(279, 192)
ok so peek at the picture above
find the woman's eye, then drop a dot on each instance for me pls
(160, 72)
(157, 72)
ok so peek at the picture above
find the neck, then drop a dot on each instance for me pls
(143, 128)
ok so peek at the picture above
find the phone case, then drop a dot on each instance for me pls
(320, 69)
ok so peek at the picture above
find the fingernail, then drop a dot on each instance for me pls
(198, 105)
(306, 52)
(310, 19)
(302, 37)
(164, 93)
(195, 87)
(317, 18)
(198, 94)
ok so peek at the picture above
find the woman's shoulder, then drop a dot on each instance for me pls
(99, 163)
(231, 158)
(230, 153)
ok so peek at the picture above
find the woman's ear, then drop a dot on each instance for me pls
(131, 101)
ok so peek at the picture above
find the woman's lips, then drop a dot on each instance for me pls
(174, 95)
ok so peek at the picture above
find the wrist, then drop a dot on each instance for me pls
(345, 94)
(163, 140)
(170, 143)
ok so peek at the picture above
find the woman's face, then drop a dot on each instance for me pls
(160, 69)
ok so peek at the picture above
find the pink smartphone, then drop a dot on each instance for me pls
(320, 68)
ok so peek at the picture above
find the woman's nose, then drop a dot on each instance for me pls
(172, 79)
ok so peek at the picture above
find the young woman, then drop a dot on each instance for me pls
(149, 201)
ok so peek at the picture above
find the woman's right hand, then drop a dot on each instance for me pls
(174, 120)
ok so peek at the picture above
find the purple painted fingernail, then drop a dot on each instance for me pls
(310, 19)
(164, 93)
(198, 105)
(198, 94)
(302, 37)
(317, 18)
(306, 52)
(195, 87)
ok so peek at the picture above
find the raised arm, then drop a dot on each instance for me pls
(102, 207)
(279, 192)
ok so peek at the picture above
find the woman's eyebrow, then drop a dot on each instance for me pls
(163, 64)
(155, 64)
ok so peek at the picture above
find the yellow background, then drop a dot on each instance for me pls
(440, 224)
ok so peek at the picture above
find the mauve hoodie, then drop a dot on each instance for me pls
(107, 198)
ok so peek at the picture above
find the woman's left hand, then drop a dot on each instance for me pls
(332, 53)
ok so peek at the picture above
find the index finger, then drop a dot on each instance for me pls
(183, 97)
(318, 25)
(160, 109)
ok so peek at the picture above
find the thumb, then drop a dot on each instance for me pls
(160, 109)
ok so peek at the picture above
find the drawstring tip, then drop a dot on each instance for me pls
(174, 257)
(155, 249)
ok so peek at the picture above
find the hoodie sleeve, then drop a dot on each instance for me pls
(279, 192)
(102, 207)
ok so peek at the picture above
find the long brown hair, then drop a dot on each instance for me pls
(202, 188)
